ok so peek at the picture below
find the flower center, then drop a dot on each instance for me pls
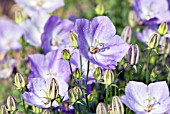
(51, 74)
(151, 103)
(99, 47)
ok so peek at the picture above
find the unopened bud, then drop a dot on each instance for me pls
(99, 9)
(4, 109)
(108, 77)
(97, 73)
(90, 97)
(19, 17)
(19, 81)
(74, 94)
(101, 109)
(46, 112)
(73, 39)
(11, 103)
(78, 92)
(132, 18)
(77, 73)
(127, 34)
(53, 90)
(165, 46)
(133, 54)
(66, 54)
(163, 28)
(117, 106)
(153, 42)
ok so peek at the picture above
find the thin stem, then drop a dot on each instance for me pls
(22, 91)
(115, 91)
(71, 71)
(80, 64)
(87, 76)
(51, 108)
(107, 93)
(147, 70)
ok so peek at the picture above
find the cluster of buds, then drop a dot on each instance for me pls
(97, 73)
(127, 34)
(75, 94)
(108, 77)
(101, 109)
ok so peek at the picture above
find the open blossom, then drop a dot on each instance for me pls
(98, 42)
(38, 89)
(143, 99)
(56, 33)
(32, 6)
(49, 65)
(34, 27)
(9, 35)
(152, 11)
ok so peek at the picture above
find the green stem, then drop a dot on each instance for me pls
(87, 76)
(51, 106)
(107, 93)
(71, 71)
(80, 64)
(115, 91)
(22, 91)
(147, 70)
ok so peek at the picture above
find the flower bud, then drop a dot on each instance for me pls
(101, 109)
(108, 77)
(127, 34)
(74, 94)
(66, 54)
(19, 81)
(77, 73)
(90, 97)
(165, 46)
(73, 39)
(163, 28)
(78, 91)
(11, 103)
(99, 9)
(153, 42)
(46, 112)
(19, 17)
(133, 21)
(4, 109)
(53, 90)
(133, 54)
(117, 106)
(97, 73)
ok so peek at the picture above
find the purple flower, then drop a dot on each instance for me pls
(151, 99)
(6, 66)
(9, 35)
(33, 6)
(56, 33)
(152, 11)
(98, 42)
(49, 65)
(38, 88)
(34, 27)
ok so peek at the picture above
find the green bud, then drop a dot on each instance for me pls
(11, 103)
(53, 90)
(153, 42)
(127, 34)
(19, 17)
(133, 21)
(108, 77)
(78, 91)
(73, 39)
(133, 54)
(99, 9)
(4, 109)
(90, 97)
(74, 94)
(97, 73)
(165, 46)
(66, 54)
(163, 28)
(117, 106)
(77, 73)
(101, 109)
(19, 81)
(46, 112)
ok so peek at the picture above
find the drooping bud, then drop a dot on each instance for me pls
(46, 112)
(73, 39)
(108, 77)
(153, 42)
(165, 46)
(163, 28)
(53, 90)
(4, 109)
(77, 73)
(101, 109)
(133, 54)
(74, 94)
(99, 9)
(19, 81)
(127, 34)
(97, 73)
(66, 54)
(11, 103)
(117, 106)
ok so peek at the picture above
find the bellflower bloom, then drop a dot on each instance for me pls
(49, 65)
(34, 27)
(98, 42)
(6, 67)
(152, 11)
(33, 6)
(9, 35)
(151, 99)
(56, 33)
(38, 88)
